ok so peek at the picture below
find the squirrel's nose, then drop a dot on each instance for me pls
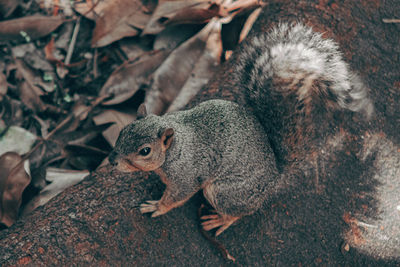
(112, 158)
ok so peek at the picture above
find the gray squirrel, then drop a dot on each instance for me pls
(217, 146)
(222, 148)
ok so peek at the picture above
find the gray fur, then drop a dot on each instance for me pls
(298, 55)
(218, 146)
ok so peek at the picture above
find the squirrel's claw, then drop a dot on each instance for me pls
(218, 220)
(157, 213)
(153, 206)
(149, 206)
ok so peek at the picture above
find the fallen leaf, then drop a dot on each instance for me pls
(194, 15)
(169, 78)
(11, 111)
(121, 120)
(204, 69)
(60, 180)
(173, 36)
(78, 113)
(133, 48)
(29, 27)
(29, 76)
(92, 10)
(7, 7)
(84, 135)
(126, 80)
(117, 19)
(168, 9)
(13, 180)
(33, 56)
(64, 34)
(16, 139)
(55, 150)
(30, 98)
(3, 85)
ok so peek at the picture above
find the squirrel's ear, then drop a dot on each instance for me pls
(166, 138)
(141, 112)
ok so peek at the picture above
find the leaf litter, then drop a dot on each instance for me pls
(73, 73)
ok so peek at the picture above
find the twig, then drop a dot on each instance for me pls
(391, 20)
(73, 41)
(95, 71)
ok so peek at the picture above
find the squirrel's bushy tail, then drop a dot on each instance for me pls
(296, 79)
(295, 58)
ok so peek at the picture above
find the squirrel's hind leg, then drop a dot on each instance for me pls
(231, 199)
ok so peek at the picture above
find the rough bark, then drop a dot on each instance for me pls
(97, 222)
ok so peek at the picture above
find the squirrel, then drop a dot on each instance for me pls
(294, 79)
(217, 146)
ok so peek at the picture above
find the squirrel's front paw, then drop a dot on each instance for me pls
(153, 206)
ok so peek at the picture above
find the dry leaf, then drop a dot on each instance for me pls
(124, 82)
(29, 76)
(30, 98)
(194, 15)
(32, 56)
(168, 9)
(87, 10)
(173, 36)
(79, 113)
(63, 37)
(203, 70)
(60, 180)
(121, 119)
(16, 139)
(133, 48)
(30, 27)
(169, 78)
(84, 135)
(117, 19)
(3, 85)
(13, 181)
(7, 7)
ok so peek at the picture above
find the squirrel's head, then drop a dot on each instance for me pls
(141, 145)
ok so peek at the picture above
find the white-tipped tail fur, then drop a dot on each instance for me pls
(298, 60)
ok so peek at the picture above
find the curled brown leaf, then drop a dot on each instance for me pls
(167, 9)
(13, 181)
(116, 19)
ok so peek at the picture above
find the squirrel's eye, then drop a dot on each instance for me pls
(145, 151)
